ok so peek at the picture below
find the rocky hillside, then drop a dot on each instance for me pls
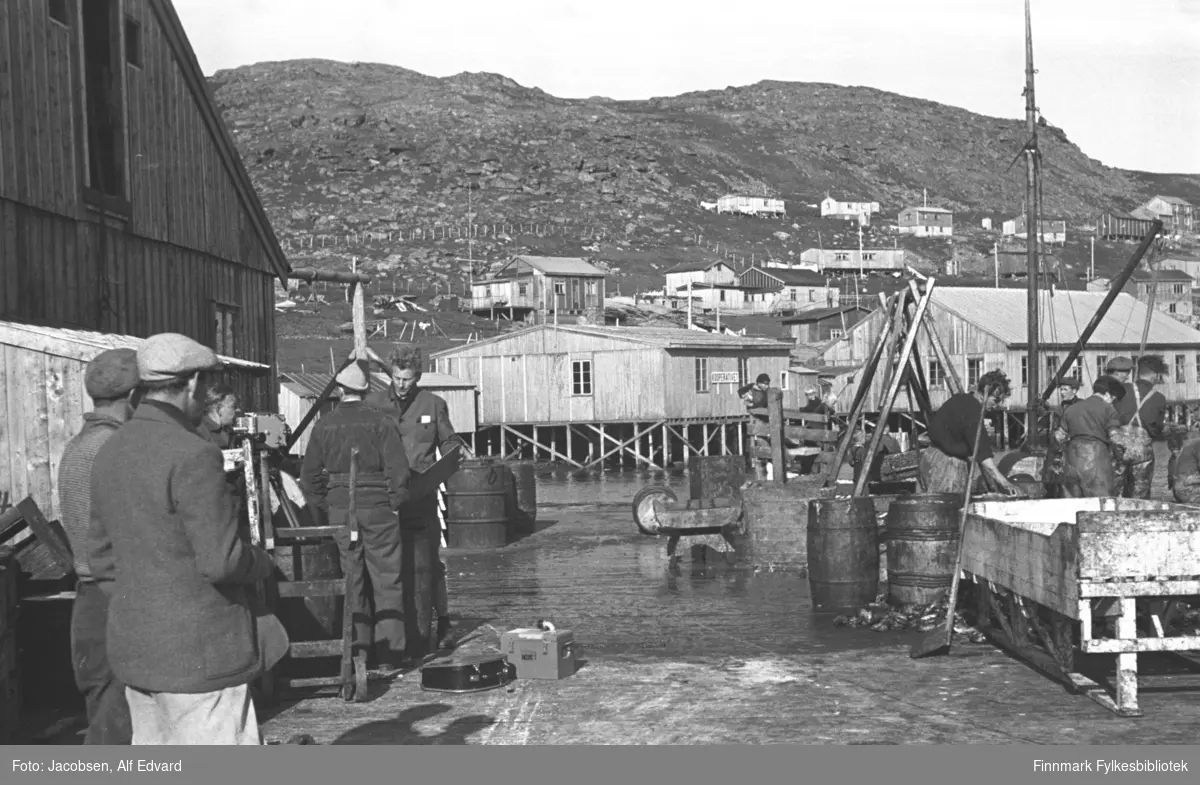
(376, 158)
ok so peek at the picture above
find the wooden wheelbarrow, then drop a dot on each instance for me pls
(658, 512)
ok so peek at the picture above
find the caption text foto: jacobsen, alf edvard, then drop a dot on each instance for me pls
(99, 766)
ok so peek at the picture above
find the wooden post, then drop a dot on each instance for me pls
(666, 442)
(602, 445)
(536, 443)
(775, 415)
(724, 429)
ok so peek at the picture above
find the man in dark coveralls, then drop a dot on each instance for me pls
(1054, 465)
(370, 544)
(952, 429)
(110, 381)
(1086, 442)
(425, 426)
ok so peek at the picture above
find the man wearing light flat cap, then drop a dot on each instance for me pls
(182, 633)
(364, 505)
(110, 381)
(1142, 412)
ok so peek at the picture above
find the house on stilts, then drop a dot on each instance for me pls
(589, 395)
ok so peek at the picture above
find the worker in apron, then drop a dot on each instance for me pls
(425, 427)
(355, 474)
(944, 464)
(1085, 439)
(1055, 463)
(1186, 479)
(1143, 414)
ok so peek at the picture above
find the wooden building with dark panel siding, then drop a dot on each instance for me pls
(124, 206)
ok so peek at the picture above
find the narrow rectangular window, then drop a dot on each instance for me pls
(226, 329)
(701, 366)
(743, 371)
(133, 42)
(1024, 371)
(1102, 361)
(104, 105)
(937, 374)
(581, 377)
(974, 371)
(783, 380)
(1180, 369)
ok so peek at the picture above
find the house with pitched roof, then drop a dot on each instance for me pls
(547, 287)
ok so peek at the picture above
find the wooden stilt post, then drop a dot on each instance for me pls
(666, 442)
(724, 432)
(775, 414)
(601, 446)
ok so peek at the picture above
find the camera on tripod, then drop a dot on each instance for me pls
(268, 431)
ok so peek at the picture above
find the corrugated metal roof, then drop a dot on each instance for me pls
(662, 337)
(1002, 312)
(929, 209)
(1165, 274)
(311, 384)
(790, 277)
(561, 265)
(18, 334)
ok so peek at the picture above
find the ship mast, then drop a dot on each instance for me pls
(1032, 235)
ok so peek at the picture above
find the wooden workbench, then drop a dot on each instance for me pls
(1043, 569)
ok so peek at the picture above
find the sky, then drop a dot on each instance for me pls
(1120, 77)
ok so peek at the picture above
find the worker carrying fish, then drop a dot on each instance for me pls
(1054, 465)
(1142, 412)
(1084, 440)
(952, 428)
(355, 473)
(426, 429)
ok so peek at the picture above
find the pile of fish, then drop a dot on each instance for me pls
(882, 617)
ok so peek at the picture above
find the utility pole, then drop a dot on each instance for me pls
(996, 262)
(1092, 269)
(860, 248)
(1032, 235)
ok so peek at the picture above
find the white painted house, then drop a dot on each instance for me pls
(851, 259)
(750, 205)
(698, 272)
(711, 296)
(857, 211)
(1054, 230)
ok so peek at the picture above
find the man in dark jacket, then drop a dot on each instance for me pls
(369, 540)
(755, 395)
(944, 464)
(181, 629)
(110, 380)
(425, 426)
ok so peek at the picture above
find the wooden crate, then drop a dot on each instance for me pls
(1046, 566)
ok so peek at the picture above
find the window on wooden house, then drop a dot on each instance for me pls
(1077, 369)
(1175, 289)
(783, 381)
(226, 329)
(1024, 371)
(1101, 362)
(591, 287)
(103, 98)
(133, 42)
(701, 374)
(937, 374)
(1051, 367)
(1170, 309)
(1180, 368)
(723, 300)
(836, 333)
(59, 12)
(743, 371)
(560, 287)
(521, 289)
(581, 377)
(974, 371)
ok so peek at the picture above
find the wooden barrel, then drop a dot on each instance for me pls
(524, 496)
(922, 540)
(478, 499)
(843, 552)
(312, 559)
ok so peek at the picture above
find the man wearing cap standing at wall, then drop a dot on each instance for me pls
(182, 633)
(426, 429)
(369, 537)
(110, 381)
(755, 394)
(1134, 480)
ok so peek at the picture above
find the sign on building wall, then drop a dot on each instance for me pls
(725, 377)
